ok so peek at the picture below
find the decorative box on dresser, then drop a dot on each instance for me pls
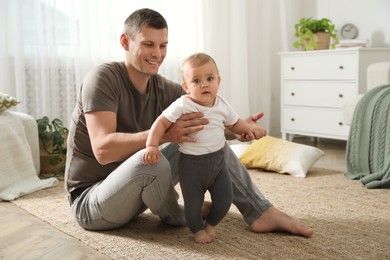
(316, 84)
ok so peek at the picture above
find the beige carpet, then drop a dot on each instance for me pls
(350, 222)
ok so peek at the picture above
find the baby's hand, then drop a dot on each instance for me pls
(256, 132)
(151, 155)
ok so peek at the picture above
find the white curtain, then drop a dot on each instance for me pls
(245, 37)
(47, 47)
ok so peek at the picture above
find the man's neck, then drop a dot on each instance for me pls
(139, 79)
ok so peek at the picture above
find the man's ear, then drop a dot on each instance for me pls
(184, 86)
(124, 41)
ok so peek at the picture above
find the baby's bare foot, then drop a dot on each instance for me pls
(211, 231)
(201, 237)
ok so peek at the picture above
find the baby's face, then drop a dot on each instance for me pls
(202, 83)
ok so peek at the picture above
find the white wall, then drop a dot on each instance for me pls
(370, 16)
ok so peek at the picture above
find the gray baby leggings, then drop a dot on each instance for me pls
(197, 174)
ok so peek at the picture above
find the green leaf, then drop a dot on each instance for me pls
(305, 29)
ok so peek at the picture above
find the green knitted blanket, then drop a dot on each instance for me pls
(368, 145)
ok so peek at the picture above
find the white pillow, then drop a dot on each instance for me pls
(239, 149)
(278, 155)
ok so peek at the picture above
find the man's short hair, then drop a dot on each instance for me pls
(143, 17)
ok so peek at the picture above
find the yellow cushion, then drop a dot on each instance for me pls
(278, 155)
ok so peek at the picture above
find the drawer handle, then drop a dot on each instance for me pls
(341, 67)
(340, 95)
(292, 119)
(292, 94)
(340, 123)
(292, 68)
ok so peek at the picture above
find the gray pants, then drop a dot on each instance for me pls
(133, 187)
(197, 174)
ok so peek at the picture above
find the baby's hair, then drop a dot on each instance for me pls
(199, 59)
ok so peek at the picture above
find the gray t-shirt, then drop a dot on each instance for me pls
(109, 88)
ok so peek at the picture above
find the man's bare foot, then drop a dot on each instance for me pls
(211, 231)
(206, 206)
(275, 220)
(202, 237)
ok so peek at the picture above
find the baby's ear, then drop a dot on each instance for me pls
(184, 86)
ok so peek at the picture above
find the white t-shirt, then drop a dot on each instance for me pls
(212, 137)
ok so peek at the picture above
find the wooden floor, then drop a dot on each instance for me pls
(23, 236)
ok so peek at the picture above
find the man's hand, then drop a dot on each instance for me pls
(251, 120)
(185, 125)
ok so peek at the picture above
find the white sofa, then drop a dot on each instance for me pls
(378, 74)
(19, 156)
(31, 130)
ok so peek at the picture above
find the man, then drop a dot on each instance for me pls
(107, 182)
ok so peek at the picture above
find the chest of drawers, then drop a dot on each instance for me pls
(316, 84)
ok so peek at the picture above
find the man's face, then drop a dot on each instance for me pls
(148, 49)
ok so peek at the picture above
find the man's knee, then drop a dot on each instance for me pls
(161, 171)
(163, 168)
(136, 166)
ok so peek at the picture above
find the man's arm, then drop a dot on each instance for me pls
(109, 146)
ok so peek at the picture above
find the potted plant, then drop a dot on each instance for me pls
(52, 144)
(315, 34)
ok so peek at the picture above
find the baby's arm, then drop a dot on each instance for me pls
(157, 130)
(253, 131)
